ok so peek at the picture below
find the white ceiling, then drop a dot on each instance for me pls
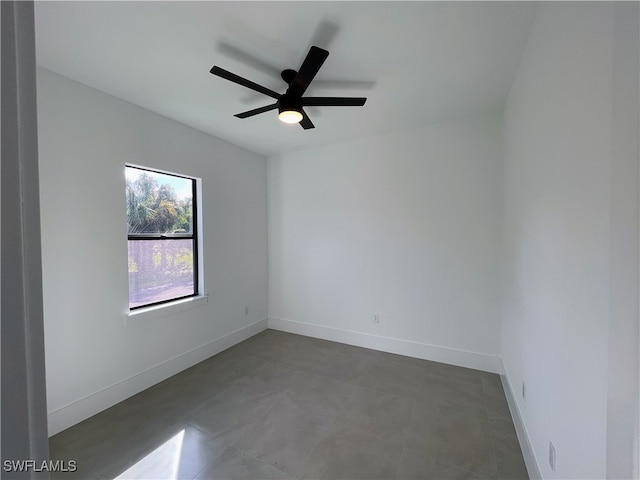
(417, 62)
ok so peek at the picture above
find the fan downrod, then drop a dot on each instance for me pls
(288, 75)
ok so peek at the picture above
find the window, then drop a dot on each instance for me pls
(162, 237)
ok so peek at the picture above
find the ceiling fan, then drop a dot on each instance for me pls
(290, 103)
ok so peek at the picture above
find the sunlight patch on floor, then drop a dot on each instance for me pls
(163, 462)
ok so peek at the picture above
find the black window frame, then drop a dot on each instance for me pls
(174, 236)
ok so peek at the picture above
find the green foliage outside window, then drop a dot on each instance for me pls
(156, 209)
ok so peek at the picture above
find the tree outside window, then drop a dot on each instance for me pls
(162, 236)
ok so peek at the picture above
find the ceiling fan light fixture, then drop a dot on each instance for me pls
(290, 104)
(290, 116)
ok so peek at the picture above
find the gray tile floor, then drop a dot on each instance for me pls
(286, 406)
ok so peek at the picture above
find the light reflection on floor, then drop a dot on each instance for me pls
(163, 462)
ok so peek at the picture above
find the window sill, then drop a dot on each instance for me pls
(157, 311)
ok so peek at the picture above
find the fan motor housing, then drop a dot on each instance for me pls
(287, 102)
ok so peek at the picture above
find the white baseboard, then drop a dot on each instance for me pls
(452, 356)
(88, 406)
(521, 430)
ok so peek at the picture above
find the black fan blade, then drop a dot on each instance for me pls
(306, 122)
(232, 77)
(333, 101)
(312, 63)
(256, 111)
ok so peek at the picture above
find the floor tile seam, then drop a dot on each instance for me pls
(472, 418)
(466, 416)
(302, 364)
(497, 413)
(282, 366)
(284, 402)
(280, 396)
(351, 394)
(410, 383)
(423, 380)
(505, 436)
(494, 464)
(234, 380)
(204, 467)
(494, 415)
(487, 407)
(312, 450)
(492, 430)
(243, 373)
(435, 456)
(486, 387)
(428, 380)
(439, 458)
(266, 358)
(411, 422)
(413, 410)
(204, 403)
(298, 468)
(400, 457)
(494, 392)
(337, 422)
(243, 452)
(466, 470)
(384, 392)
(453, 372)
(329, 377)
(418, 369)
(493, 450)
(490, 403)
(331, 417)
(202, 429)
(381, 388)
(187, 424)
(438, 404)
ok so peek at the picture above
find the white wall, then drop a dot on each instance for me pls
(623, 400)
(94, 358)
(562, 184)
(403, 225)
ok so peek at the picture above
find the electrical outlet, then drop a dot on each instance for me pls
(552, 457)
(376, 318)
(246, 311)
(524, 392)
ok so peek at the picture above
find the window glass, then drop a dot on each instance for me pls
(158, 203)
(162, 242)
(160, 270)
